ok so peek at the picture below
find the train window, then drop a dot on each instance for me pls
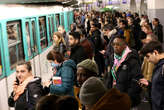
(34, 48)
(43, 32)
(15, 43)
(57, 20)
(50, 29)
(28, 39)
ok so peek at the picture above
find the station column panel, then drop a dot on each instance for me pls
(155, 10)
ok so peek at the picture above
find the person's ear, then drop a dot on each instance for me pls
(155, 52)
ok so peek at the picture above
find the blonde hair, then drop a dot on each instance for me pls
(60, 37)
(148, 28)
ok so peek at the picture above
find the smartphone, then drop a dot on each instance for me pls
(17, 81)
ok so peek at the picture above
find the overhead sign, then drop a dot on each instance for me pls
(124, 1)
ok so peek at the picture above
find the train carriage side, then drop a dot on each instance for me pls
(26, 39)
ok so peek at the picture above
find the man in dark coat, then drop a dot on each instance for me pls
(77, 51)
(158, 29)
(155, 54)
(124, 70)
(96, 41)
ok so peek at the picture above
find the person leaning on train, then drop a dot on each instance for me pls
(63, 75)
(27, 89)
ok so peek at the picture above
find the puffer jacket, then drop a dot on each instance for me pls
(66, 72)
(28, 99)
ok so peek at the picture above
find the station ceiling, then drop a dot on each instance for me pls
(46, 2)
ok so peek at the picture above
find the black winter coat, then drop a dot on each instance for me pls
(127, 74)
(28, 99)
(158, 31)
(78, 54)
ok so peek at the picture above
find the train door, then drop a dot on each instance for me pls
(32, 44)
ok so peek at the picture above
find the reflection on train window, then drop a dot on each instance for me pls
(15, 43)
(43, 33)
(50, 29)
(28, 39)
(34, 47)
(0, 65)
(57, 20)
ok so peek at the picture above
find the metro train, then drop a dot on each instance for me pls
(26, 35)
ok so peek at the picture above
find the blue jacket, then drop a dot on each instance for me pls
(66, 72)
(157, 90)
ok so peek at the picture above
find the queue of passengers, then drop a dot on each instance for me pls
(104, 62)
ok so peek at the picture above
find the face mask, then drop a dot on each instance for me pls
(54, 65)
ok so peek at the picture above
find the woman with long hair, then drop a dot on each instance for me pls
(59, 43)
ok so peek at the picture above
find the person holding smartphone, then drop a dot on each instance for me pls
(155, 54)
(27, 89)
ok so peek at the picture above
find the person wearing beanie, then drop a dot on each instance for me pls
(86, 69)
(113, 100)
(91, 91)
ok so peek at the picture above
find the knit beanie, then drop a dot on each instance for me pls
(89, 65)
(113, 100)
(91, 91)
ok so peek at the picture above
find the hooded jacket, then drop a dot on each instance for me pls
(67, 73)
(128, 72)
(28, 99)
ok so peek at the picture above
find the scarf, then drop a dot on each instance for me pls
(118, 60)
(21, 87)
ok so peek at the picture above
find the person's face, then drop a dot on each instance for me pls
(118, 46)
(72, 41)
(152, 57)
(81, 76)
(22, 73)
(154, 22)
(72, 26)
(121, 25)
(130, 22)
(144, 29)
(61, 30)
(55, 38)
(106, 32)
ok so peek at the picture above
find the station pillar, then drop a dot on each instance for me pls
(133, 6)
(156, 10)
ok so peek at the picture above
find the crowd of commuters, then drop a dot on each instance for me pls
(107, 61)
